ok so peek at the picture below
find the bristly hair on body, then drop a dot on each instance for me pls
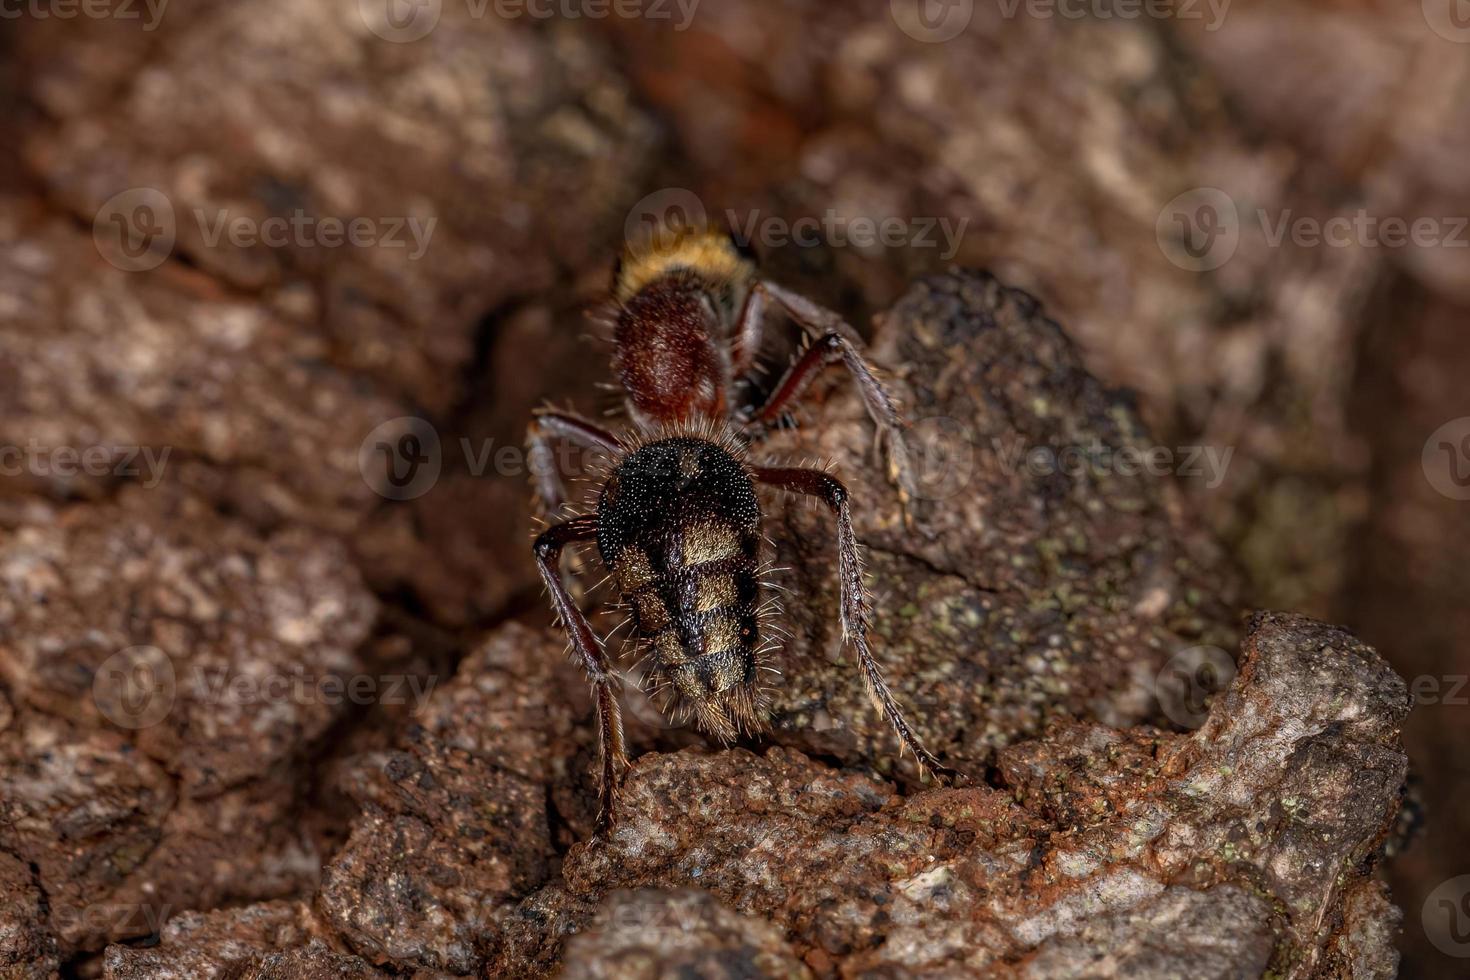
(675, 514)
(746, 711)
(711, 255)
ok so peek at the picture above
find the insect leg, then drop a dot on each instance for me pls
(748, 331)
(854, 598)
(589, 651)
(837, 341)
(548, 424)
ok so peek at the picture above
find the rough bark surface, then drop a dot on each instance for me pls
(1104, 845)
(1129, 813)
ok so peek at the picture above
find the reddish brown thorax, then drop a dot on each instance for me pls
(679, 296)
(669, 356)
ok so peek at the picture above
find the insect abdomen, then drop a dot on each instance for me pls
(700, 619)
(679, 528)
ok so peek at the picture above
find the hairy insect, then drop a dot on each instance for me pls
(677, 521)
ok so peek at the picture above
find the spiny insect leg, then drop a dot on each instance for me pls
(548, 424)
(838, 341)
(854, 598)
(548, 549)
(748, 332)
